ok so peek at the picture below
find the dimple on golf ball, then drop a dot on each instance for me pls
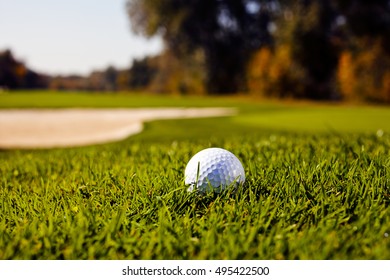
(213, 169)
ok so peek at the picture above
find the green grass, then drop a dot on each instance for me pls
(49, 99)
(323, 119)
(311, 193)
(260, 114)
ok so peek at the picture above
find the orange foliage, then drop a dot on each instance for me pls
(273, 73)
(365, 74)
(345, 75)
(20, 70)
(258, 72)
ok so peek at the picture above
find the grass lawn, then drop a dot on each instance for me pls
(318, 185)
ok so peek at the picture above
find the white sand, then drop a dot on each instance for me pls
(44, 128)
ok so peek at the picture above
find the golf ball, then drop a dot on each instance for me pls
(213, 169)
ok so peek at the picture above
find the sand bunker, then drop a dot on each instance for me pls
(33, 128)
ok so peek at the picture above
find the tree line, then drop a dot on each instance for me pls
(15, 74)
(325, 50)
(281, 48)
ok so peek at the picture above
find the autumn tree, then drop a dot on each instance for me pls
(364, 65)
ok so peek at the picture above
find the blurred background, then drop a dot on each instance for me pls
(320, 50)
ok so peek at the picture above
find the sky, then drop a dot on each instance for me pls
(62, 37)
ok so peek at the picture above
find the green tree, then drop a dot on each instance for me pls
(308, 27)
(226, 31)
(367, 19)
(142, 73)
(110, 77)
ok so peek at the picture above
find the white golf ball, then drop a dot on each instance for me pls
(213, 169)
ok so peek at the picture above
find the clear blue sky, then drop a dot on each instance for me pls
(71, 36)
